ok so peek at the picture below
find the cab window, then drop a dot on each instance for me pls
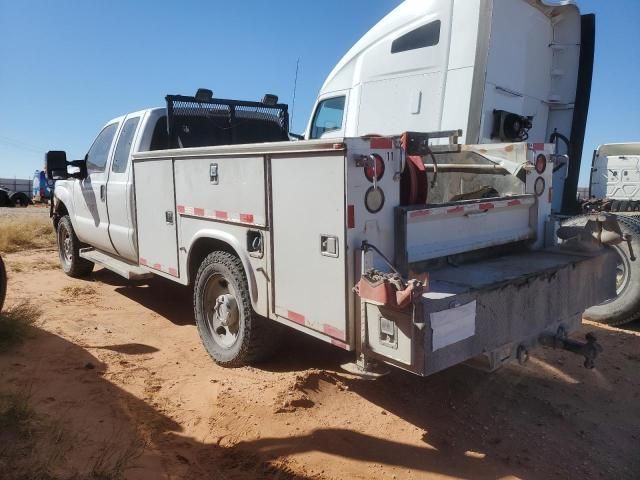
(123, 147)
(328, 116)
(99, 151)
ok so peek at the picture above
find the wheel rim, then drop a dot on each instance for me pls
(221, 312)
(64, 246)
(622, 273)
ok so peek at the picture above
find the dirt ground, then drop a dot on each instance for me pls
(118, 362)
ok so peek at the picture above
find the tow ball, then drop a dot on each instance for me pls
(589, 349)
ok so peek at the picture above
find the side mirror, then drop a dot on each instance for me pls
(56, 165)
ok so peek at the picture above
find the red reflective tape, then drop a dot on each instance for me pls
(295, 317)
(143, 261)
(198, 212)
(537, 146)
(246, 218)
(486, 206)
(173, 271)
(380, 143)
(333, 331)
(180, 208)
(419, 213)
(340, 344)
(513, 203)
(456, 210)
(222, 215)
(351, 216)
(157, 266)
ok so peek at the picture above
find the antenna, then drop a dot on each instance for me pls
(293, 101)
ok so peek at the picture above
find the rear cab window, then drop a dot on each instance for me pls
(328, 117)
(99, 152)
(123, 147)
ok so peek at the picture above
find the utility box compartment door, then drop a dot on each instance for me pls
(436, 231)
(156, 216)
(309, 248)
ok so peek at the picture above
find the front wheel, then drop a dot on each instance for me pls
(69, 251)
(231, 332)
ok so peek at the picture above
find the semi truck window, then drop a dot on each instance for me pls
(123, 148)
(328, 116)
(99, 151)
(425, 36)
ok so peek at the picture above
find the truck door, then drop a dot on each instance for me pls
(89, 196)
(120, 203)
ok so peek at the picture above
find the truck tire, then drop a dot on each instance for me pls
(625, 306)
(5, 201)
(69, 250)
(231, 332)
(19, 199)
(3, 283)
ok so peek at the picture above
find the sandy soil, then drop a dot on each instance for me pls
(118, 362)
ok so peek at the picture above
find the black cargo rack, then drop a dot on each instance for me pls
(196, 122)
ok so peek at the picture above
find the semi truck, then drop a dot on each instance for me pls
(413, 224)
(614, 187)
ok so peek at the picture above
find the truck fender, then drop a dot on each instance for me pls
(236, 247)
(63, 197)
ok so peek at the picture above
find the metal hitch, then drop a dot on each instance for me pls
(589, 349)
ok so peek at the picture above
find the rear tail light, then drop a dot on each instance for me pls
(374, 168)
(541, 164)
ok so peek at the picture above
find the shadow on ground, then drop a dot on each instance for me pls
(467, 415)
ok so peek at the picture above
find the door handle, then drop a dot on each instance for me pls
(102, 191)
(329, 245)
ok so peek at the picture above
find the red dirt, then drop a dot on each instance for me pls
(300, 416)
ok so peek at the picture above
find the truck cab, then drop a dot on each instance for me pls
(102, 197)
(102, 202)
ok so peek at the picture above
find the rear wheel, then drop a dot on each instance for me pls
(625, 306)
(231, 332)
(69, 251)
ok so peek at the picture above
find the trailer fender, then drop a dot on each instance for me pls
(207, 240)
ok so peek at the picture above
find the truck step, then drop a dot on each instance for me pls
(125, 269)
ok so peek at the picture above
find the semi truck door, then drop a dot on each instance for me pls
(309, 251)
(89, 197)
(120, 204)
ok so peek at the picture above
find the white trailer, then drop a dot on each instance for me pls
(412, 249)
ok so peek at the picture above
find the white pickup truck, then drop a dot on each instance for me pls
(407, 248)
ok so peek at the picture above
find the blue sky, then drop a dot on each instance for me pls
(69, 66)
